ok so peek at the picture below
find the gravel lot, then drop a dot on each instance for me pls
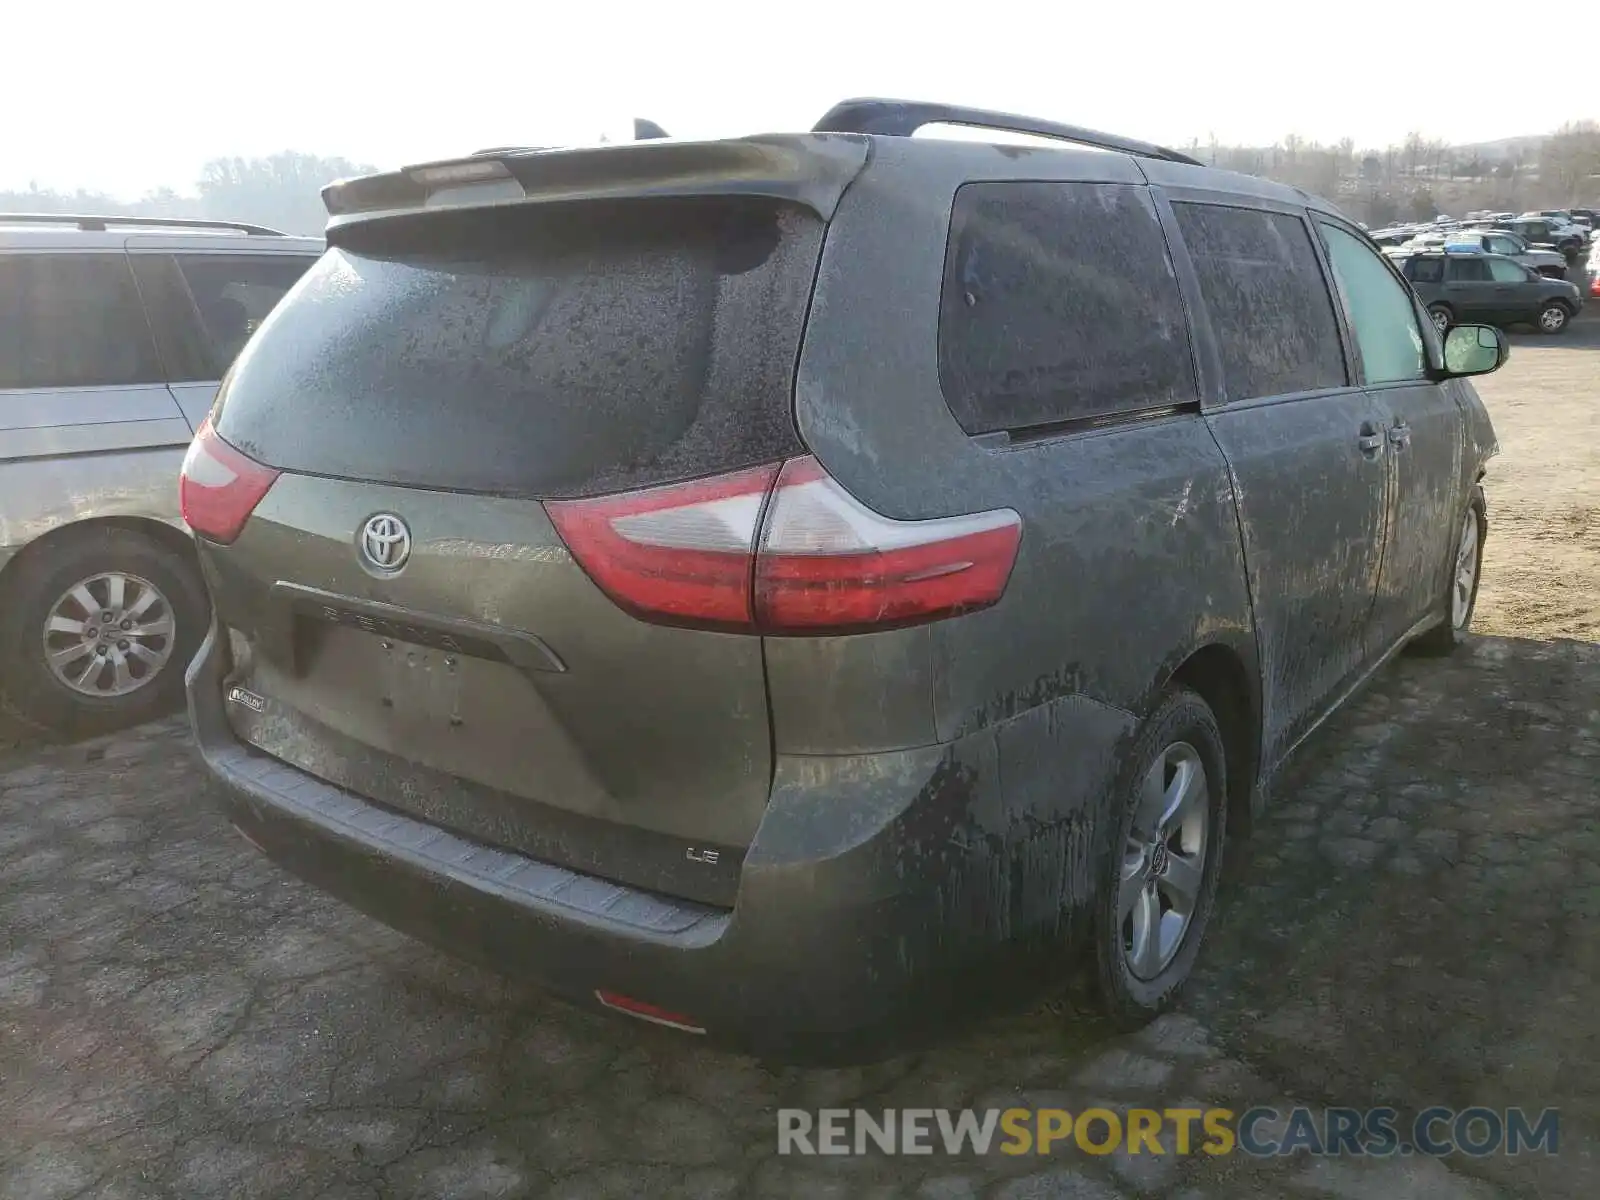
(1412, 926)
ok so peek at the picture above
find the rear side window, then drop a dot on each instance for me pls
(1467, 270)
(1425, 270)
(537, 352)
(1270, 308)
(72, 320)
(233, 295)
(1059, 304)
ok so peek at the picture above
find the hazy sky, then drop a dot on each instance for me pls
(126, 97)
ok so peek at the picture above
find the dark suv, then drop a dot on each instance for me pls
(804, 589)
(1547, 231)
(1469, 286)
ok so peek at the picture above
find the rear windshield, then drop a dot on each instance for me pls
(537, 353)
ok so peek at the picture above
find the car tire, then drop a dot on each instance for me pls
(159, 606)
(1553, 318)
(1144, 951)
(1461, 588)
(1442, 317)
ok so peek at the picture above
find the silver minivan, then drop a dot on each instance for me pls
(114, 334)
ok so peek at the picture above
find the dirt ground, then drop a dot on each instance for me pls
(1542, 561)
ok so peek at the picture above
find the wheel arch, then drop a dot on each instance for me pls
(26, 692)
(160, 532)
(1222, 676)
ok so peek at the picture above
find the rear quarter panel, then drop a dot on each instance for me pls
(1130, 556)
(1130, 553)
(83, 454)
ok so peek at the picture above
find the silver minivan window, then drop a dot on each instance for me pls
(72, 320)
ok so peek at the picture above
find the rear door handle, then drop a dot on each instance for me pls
(1400, 435)
(1370, 443)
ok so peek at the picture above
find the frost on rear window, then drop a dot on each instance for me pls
(1059, 304)
(539, 354)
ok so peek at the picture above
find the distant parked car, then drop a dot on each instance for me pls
(114, 333)
(1564, 215)
(1550, 231)
(1489, 289)
(1550, 263)
(1394, 235)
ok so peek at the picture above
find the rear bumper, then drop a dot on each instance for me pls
(877, 890)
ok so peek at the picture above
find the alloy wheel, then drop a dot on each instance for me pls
(1163, 862)
(109, 635)
(1466, 576)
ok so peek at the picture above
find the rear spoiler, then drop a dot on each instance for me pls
(810, 169)
(643, 131)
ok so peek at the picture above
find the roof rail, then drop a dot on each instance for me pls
(902, 118)
(93, 224)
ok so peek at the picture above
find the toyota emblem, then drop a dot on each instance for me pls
(385, 543)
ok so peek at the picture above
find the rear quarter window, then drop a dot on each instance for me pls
(1425, 270)
(1059, 305)
(234, 294)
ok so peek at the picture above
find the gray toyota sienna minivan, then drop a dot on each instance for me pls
(803, 589)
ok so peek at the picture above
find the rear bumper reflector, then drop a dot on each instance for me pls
(646, 1012)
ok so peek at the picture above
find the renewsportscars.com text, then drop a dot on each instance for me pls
(1259, 1132)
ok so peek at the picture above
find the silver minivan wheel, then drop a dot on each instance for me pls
(109, 635)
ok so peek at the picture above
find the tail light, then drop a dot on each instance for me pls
(784, 549)
(219, 487)
(1594, 284)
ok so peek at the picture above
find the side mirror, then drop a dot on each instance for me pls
(1474, 350)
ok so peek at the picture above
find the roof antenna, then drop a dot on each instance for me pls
(644, 130)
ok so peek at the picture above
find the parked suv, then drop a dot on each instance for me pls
(113, 334)
(1550, 263)
(1565, 216)
(806, 588)
(1489, 288)
(1548, 231)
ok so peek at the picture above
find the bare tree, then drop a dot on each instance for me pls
(1415, 151)
(283, 190)
(1570, 159)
